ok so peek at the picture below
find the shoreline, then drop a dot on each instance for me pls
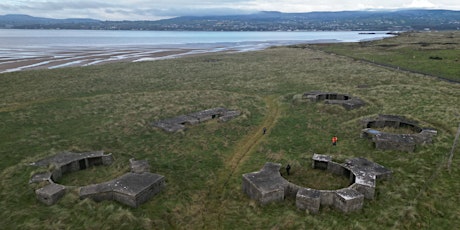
(52, 56)
(21, 59)
(93, 56)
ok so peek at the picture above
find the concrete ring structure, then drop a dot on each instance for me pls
(394, 141)
(347, 101)
(267, 185)
(132, 188)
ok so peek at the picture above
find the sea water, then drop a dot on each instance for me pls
(13, 38)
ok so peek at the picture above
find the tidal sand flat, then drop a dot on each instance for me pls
(50, 49)
(85, 56)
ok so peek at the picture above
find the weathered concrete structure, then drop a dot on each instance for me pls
(179, 123)
(308, 199)
(60, 164)
(347, 101)
(393, 141)
(50, 194)
(67, 162)
(133, 188)
(267, 185)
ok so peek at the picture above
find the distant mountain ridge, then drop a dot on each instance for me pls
(262, 21)
(23, 19)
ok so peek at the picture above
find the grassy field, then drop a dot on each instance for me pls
(109, 108)
(431, 53)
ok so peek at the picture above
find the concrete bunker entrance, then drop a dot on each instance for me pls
(72, 172)
(82, 164)
(95, 161)
(333, 96)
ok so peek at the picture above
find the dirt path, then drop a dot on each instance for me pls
(249, 144)
(217, 188)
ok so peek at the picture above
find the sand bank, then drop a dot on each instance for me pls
(18, 60)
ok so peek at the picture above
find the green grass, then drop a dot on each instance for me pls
(436, 54)
(109, 108)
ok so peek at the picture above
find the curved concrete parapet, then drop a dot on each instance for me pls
(394, 141)
(60, 164)
(347, 101)
(133, 188)
(267, 185)
(178, 123)
(66, 162)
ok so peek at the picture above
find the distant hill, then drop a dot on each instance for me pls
(263, 21)
(22, 21)
(346, 20)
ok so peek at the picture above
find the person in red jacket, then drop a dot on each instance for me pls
(334, 140)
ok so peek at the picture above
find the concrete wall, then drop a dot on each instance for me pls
(367, 191)
(125, 199)
(272, 196)
(352, 201)
(264, 197)
(327, 197)
(50, 194)
(337, 169)
(291, 190)
(151, 191)
(100, 196)
(308, 199)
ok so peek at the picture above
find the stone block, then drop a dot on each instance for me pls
(321, 161)
(327, 197)
(308, 199)
(365, 185)
(348, 200)
(50, 194)
(266, 185)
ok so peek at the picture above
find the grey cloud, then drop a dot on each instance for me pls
(53, 5)
(154, 9)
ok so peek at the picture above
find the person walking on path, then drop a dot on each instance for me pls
(334, 140)
(265, 130)
(288, 168)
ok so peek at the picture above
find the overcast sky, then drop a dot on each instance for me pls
(160, 9)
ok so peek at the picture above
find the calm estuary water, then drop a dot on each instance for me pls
(32, 49)
(71, 38)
